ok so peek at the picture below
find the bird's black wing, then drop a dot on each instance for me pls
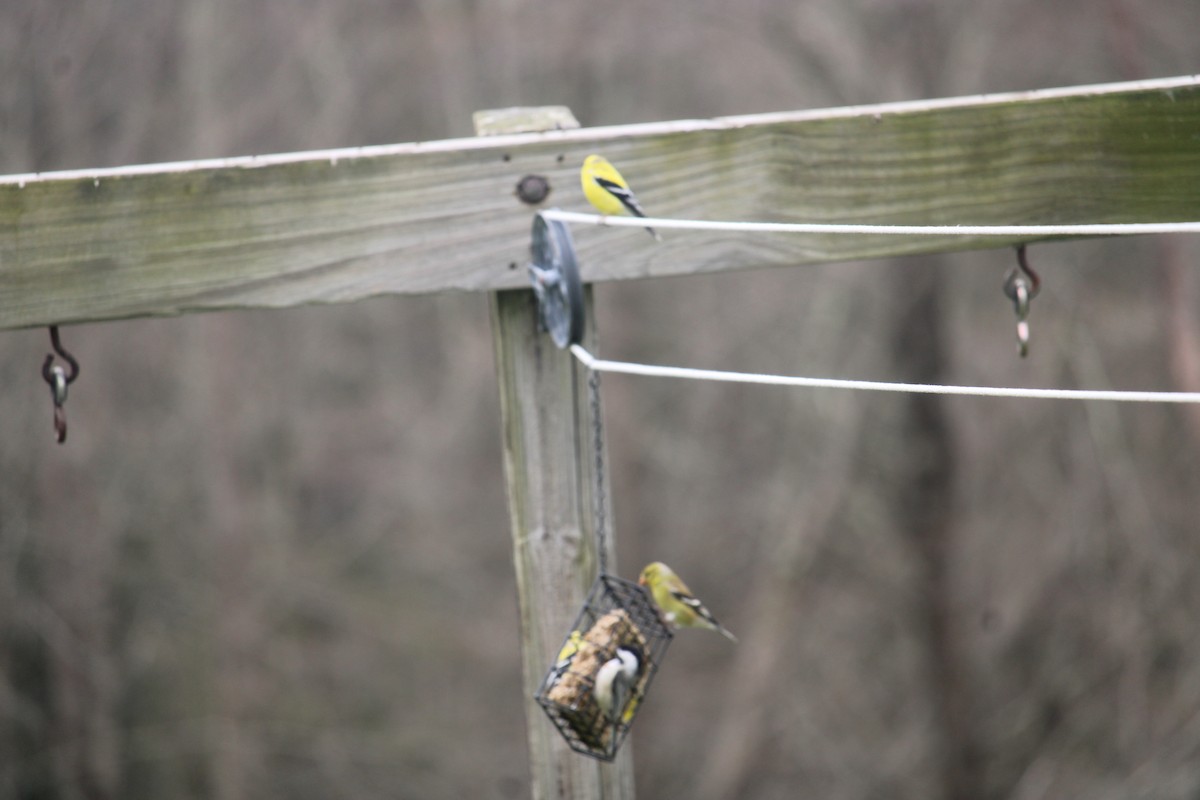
(623, 194)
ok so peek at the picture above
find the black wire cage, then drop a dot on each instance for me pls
(616, 613)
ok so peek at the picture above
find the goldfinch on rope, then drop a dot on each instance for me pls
(615, 681)
(679, 606)
(605, 189)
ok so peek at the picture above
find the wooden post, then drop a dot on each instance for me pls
(549, 463)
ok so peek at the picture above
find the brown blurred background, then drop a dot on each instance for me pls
(272, 560)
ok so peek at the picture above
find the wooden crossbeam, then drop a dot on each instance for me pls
(341, 225)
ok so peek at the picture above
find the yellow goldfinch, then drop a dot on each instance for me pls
(608, 192)
(566, 656)
(615, 680)
(679, 606)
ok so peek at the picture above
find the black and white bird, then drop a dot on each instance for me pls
(615, 680)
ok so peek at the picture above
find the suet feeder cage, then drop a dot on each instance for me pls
(617, 613)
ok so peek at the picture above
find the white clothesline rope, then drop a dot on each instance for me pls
(603, 365)
(1098, 229)
(628, 368)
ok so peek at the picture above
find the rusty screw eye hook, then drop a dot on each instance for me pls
(59, 379)
(1021, 285)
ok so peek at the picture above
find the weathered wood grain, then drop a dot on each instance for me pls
(549, 468)
(342, 225)
(549, 463)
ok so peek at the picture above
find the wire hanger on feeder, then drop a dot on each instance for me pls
(596, 684)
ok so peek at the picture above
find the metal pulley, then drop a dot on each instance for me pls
(554, 273)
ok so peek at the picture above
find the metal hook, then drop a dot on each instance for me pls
(1021, 285)
(59, 379)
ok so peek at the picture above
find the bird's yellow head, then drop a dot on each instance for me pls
(593, 161)
(654, 571)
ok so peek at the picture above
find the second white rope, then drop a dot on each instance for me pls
(628, 368)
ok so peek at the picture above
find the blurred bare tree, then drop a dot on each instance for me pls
(272, 559)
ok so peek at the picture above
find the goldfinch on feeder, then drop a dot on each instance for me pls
(679, 606)
(605, 189)
(615, 681)
(566, 655)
